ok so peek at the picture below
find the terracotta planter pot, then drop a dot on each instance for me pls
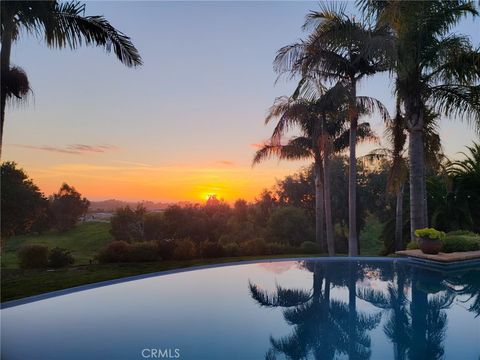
(430, 246)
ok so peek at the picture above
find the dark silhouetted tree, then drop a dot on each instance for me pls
(67, 206)
(24, 208)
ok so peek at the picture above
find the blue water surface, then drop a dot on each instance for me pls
(313, 309)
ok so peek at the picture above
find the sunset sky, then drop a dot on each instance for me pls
(184, 125)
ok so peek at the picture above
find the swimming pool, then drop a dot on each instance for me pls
(328, 309)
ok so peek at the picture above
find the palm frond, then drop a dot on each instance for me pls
(368, 105)
(281, 297)
(68, 27)
(459, 101)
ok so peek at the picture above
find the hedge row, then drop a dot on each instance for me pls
(122, 251)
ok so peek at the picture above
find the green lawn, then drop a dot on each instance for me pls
(83, 241)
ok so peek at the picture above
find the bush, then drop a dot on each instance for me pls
(454, 243)
(154, 226)
(278, 249)
(226, 239)
(412, 245)
(210, 249)
(252, 247)
(310, 247)
(165, 249)
(116, 251)
(289, 225)
(128, 224)
(231, 249)
(462, 232)
(429, 233)
(58, 258)
(184, 250)
(33, 256)
(143, 251)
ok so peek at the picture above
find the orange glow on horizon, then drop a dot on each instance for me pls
(159, 184)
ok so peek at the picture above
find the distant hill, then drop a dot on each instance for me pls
(113, 204)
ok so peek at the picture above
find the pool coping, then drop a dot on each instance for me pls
(67, 291)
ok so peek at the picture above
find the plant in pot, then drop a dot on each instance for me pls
(429, 240)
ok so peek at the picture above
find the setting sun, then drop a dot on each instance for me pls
(210, 195)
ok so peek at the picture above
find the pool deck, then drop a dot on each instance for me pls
(446, 258)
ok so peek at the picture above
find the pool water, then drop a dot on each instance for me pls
(315, 309)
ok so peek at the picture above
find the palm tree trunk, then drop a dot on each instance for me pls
(328, 204)
(417, 180)
(352, 311)
(352, 178)
(399, 220)
(418, 309)
(425, 207)
(4, 68)
(319, 205)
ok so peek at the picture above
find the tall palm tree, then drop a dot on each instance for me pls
(394, 302)
(466, 178)
(398, 169)
(322, 121)
(60, 25)
(435, 69)
(339, 50)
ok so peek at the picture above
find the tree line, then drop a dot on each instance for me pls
(25, 209)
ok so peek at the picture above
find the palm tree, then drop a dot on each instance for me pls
(343, 51)
(466, 179)
(60, 25)
(434, 69)
(322, 120)
(398, 169)
(394, 302)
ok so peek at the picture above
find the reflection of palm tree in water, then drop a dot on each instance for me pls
(323, 327)
(415, 327)
(397, 325)
(468, 284)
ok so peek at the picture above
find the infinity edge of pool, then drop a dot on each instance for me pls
(56, 293)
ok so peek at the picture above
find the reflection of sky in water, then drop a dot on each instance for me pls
(207, 314)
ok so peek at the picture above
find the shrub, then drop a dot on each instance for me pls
(154, 226)
(116, 251)
(429, 233)
(226, 239)
(454, 243)
(33, 256)
(253, 247)
(231, 249)
(143, 251)
(462, 232)
(165, 249)
(289, 225)
(310, 247)
(58, 258)
(412, 245)
(278, 249)
(127, 224)
(184, 250)
(210, 249)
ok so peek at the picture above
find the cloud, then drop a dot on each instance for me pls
(259, 145)
(73, 149)
(225, 162)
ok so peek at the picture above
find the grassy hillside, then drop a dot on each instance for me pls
(83, 241)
